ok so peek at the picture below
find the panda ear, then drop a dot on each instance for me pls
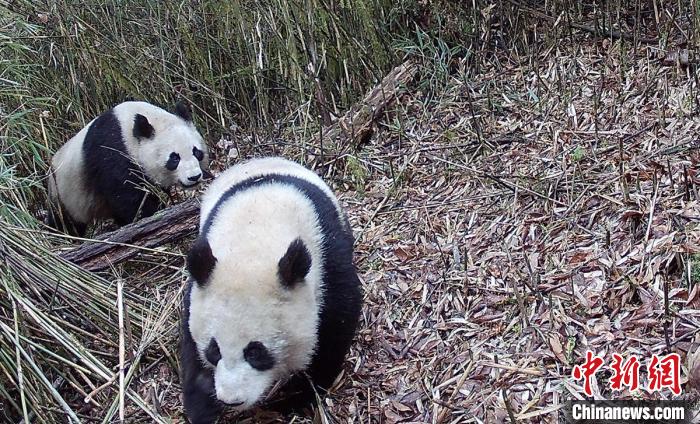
(142, 128)
(200, 261)
(182, 109)
(295, 264)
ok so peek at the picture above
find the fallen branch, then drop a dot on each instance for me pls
(167, 226)
(356, 125)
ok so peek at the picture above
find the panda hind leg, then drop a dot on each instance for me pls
(61, 222)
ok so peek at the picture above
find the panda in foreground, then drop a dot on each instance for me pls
(274, 296)
(106, 169)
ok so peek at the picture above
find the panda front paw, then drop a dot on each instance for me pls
(201, 405)
(201, 409)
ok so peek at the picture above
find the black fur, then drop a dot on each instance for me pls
(257, 355)
(112, 175)
(200, 261)
(199, 393)
(295, 264)
(183, 110)
(142, 128)
(342, 296)
(173, 161)
(197, 153)
(63, 223)
(212, 352)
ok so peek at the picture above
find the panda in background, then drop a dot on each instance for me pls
(274, 296)
(106, 169)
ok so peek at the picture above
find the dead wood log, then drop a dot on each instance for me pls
(181, 220)
(356, 125)
(167, 226)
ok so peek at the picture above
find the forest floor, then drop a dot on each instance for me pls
(527, 213)
(511, 213)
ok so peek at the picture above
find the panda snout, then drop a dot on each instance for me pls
(195, 178)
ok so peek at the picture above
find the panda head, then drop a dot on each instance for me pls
(170, 149)
(253, 319)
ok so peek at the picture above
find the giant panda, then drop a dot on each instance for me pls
(273, 298)
(108, 168)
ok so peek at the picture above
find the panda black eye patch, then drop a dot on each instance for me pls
(198, 154)
(172, 162)
(257, 355)
(212, 352)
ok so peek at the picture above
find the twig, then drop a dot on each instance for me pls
(508, 407)
(652, 206)
(497, 179)
(613, 33)
(20, 372)
(388, 194)
(500, 140)
(599, 32)
(120, 312)
(528, 371)
(521, 303)
(623, 181)
(667, 317)
(447, 407)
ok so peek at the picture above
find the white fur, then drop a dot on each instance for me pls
(172, 134)
(241, 383)
(244, 300)
(67, 182)
(257, 167)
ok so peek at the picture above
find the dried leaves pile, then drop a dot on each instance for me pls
(528, 213)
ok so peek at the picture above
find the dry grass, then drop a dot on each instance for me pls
(522, 203)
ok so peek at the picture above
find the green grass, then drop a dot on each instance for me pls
(358, 173)
(695, 269)
(578, 154)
